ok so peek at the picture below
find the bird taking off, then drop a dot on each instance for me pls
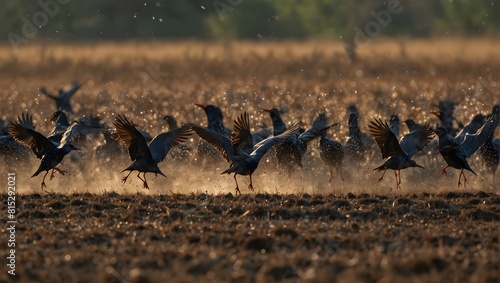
(455, 152)
(399, 154)
(145, 156)
(51, 155)
(63, 99)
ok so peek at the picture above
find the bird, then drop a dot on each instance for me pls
(490, 151)
(412, 125)
(394, 124)
(290, 151)
(331, 152)
(399, 154)
(64, 97)
(357, 143)
(214, 123)
(51, 155)
(471, 128)
(146, 156)
(445, 115)
(171, 122)
(455, 153)
(233, 150)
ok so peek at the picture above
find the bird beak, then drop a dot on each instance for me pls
(437, 113)
(201, 106)
(76, 148)
(267, 110)
(416, 165)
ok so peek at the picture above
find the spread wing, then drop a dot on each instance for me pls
(417, 140)
(472, 142)
(162, 143)
(241, 138)
(134, 141)
(24, 132)
(75, 86)
(217, 140)
(385, 138)
(262, 147)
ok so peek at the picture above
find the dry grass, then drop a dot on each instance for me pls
(85, 231)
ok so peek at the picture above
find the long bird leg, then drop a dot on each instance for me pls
(238, 192)
(331, 175)
(145, 183)
(381, 178)
(443, 171)
(43, 180)
(124, 179)
(62, 172)
(465, 179)
(251, 185)
(398, 181)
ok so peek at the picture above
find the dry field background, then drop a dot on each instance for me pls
(189, 227)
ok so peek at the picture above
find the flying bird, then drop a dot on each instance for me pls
(399, 154)
(146, 156)
(51, 155)
(456, 152)
(63, 99)
(235, 150)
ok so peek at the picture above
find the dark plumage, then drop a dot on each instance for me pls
(63, 98)
(146, 156)
(51, 155)
(455, 153)
(399, 154)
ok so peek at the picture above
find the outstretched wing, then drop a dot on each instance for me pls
(241, 138)
(24, 132)
(385, 138)
(134, 141)
(262, 147)
(472, 142)
(75, 86)
(217, 140)
(43, 91)
(162, 143)
(417, 140)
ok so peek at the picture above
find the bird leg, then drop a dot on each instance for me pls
(238, 192)
(398, 181)
(331, 175)
(124, 179)
(43, 180)
(443, 171)
(381, 178)
(62, 172)
(143, 180)
(465, 179)
(249, 186)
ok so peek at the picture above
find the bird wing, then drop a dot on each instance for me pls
(75, 86)
(43, 90)
(416, 140)
(24, 132)
(262, 147)
(472, 142)
(134, 141)
(385, 138)
(217, 140)
(162, 143)
(241, 131)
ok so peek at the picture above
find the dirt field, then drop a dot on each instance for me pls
(190, 227)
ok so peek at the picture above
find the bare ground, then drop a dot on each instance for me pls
(111, 237)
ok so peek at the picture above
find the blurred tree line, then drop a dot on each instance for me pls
(209, 19)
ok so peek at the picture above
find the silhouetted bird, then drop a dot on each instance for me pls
(331, 152)
(171, 122)
(490, 151)
(51, 155)
(455, 153)
(399, 153)
(290, 152)
(206, 153)
(412, 126)
(445, 115)
(145, 156)
(394, 124)
(64, 97)
(235, 150)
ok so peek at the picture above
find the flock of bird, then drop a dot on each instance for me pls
(244, 150)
